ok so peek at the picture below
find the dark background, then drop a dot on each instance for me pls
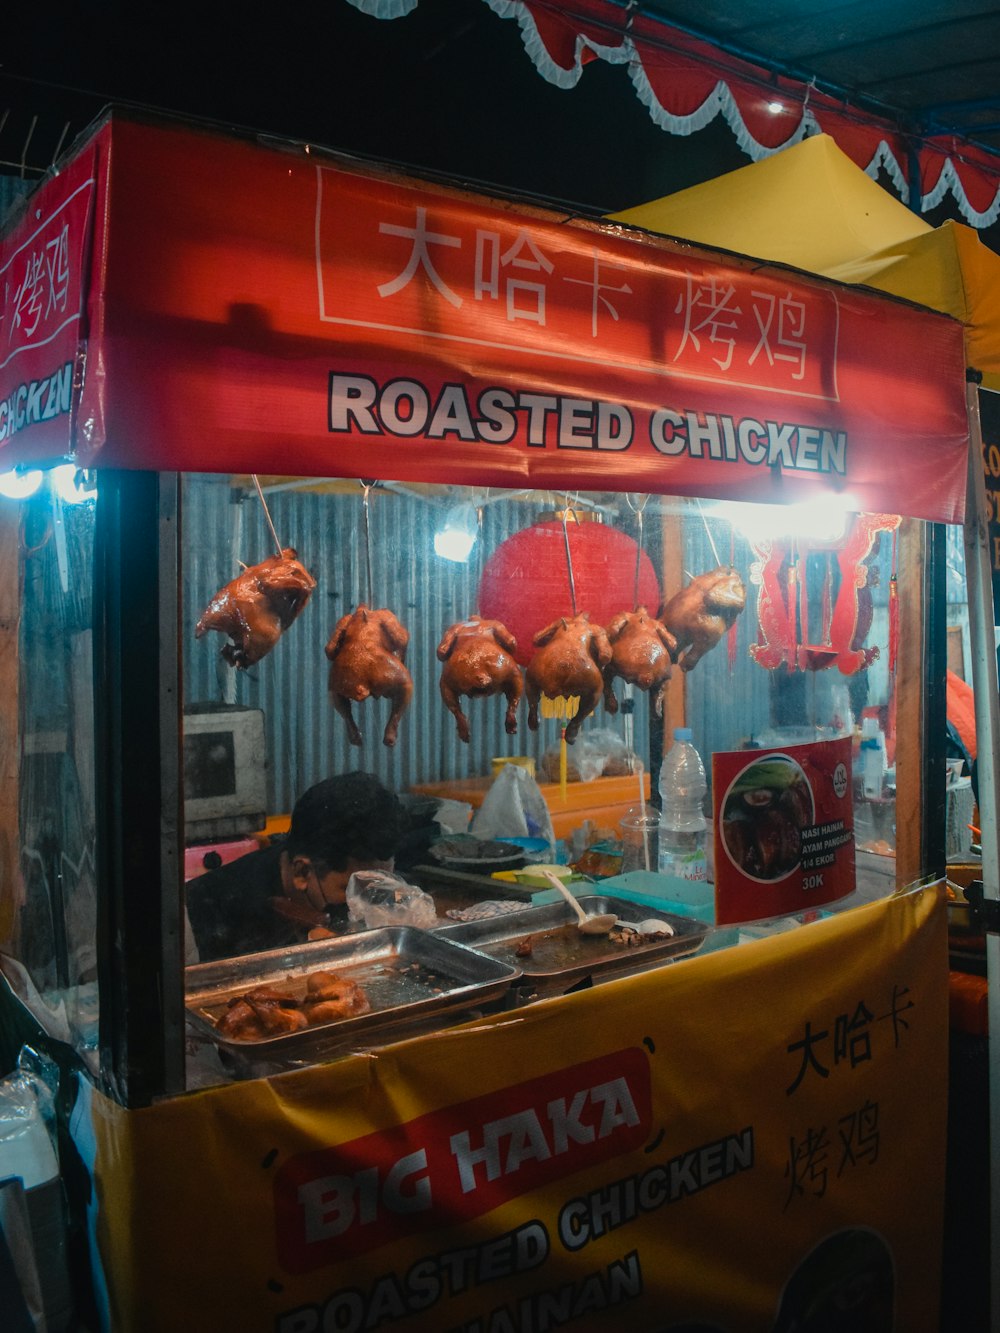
(446, 89)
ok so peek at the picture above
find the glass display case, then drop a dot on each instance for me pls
(697, 497)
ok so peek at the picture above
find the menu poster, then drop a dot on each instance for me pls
(784, 829)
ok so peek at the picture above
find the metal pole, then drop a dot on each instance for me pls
(978, 573)
(140, 959)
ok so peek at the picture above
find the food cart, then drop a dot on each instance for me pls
(247, 348)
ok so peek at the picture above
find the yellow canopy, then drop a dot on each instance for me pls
(810, 206)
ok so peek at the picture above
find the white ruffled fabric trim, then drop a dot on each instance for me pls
(949, 180)
(385, 9)
(720, 101)
(884, 159)
(537, 51)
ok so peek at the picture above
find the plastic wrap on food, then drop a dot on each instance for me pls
(484, 911)
(379, 898)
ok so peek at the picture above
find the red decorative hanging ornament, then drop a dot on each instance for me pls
(525, 582)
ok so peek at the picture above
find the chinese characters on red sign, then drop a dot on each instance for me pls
(42, 283)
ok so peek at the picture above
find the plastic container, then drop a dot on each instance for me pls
(873, 757)
(683, 827)
(640, 840)
(683, 897)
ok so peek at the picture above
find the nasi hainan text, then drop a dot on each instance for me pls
(765, 811)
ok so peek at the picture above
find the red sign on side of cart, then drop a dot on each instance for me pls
(457, 1163)
(784, 829)
(42, 272)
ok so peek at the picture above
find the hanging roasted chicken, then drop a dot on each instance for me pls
(257, 607)
(478, 661)
(367, 651)
(569, 662)
(642, 651)
(700, 614)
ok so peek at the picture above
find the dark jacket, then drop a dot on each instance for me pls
(233, 910)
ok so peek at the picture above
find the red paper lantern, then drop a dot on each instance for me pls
(525, 581)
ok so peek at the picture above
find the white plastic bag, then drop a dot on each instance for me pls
(514, 807)
(380, 899)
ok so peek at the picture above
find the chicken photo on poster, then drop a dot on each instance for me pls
(784, 829)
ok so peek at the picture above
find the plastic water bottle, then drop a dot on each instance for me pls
(683, 827)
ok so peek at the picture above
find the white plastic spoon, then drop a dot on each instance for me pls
(587, 925)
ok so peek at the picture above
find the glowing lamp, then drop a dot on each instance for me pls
(71, 484)
(20, 485)
(457, 536)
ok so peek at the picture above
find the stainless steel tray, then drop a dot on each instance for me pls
(407, 974)
(560, 955)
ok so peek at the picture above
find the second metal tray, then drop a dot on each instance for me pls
(544, 944)
(407, 975)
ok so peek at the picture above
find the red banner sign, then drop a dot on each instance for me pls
(42, 278)
(269, 313)
(459, 1162)
(784, 829)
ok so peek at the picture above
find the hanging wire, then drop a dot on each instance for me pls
(366, 487)
(637, 510)
(708, 533)
(567, 509)
(480, 561)
(267, 515)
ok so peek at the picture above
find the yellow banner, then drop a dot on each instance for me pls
(753, 1139)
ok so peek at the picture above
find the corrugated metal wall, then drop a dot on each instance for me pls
(306, 739)
(726, 705)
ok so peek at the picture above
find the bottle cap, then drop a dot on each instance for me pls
(683, 734)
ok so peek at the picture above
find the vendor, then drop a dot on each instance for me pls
(294, 890)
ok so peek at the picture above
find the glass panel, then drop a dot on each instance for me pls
(46, 701)
(808, 657)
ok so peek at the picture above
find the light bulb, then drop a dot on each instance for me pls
(456, 537)
(823, 519)
(69, 483)
(17, 485)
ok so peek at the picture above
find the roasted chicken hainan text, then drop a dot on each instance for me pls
(367, 652)
(477, 661)
(256, 607)
(642, 650)
(570, 661)
(700, 614)
(267, 1012)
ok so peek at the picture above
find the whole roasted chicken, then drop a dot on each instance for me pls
(700, 614)
(477, 661)
(257, 607)
(367, 651)
(642, 652)
(570, 661)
